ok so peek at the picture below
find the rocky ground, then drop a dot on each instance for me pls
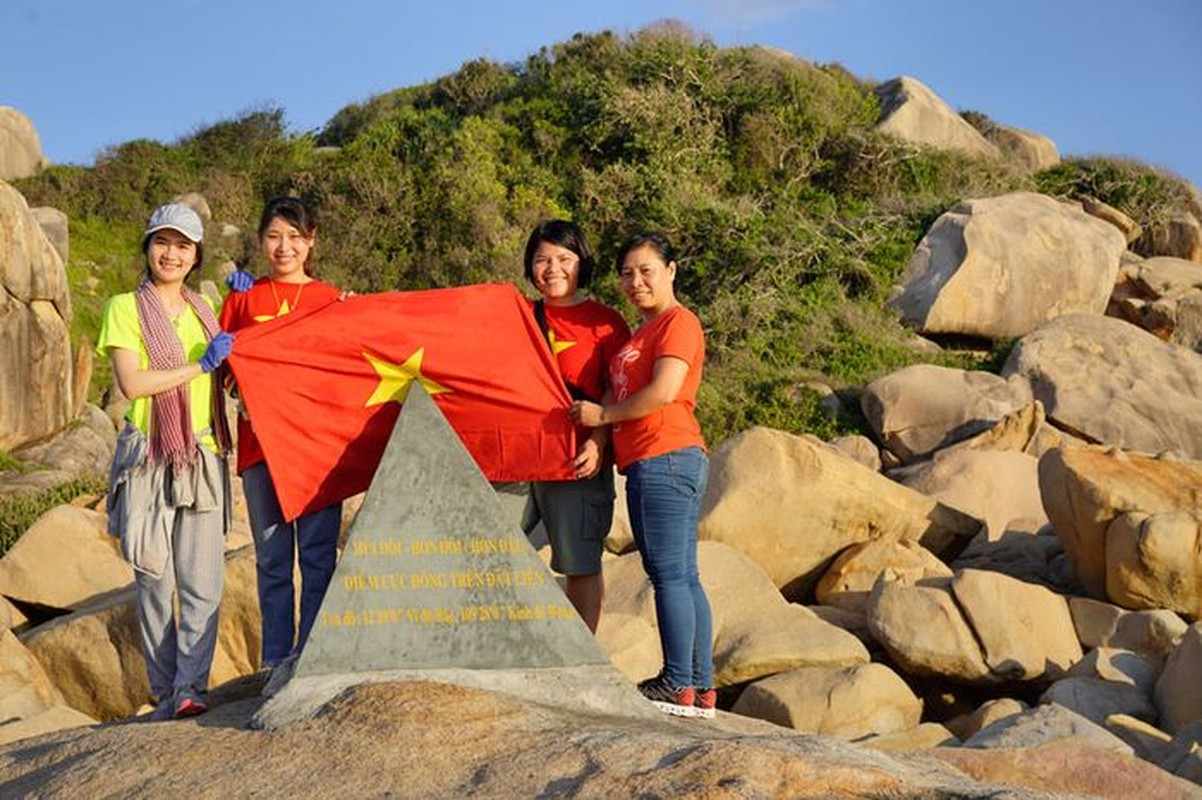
(418, 739)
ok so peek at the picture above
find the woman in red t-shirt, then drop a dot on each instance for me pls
(583, 335)
(658, 447)
(287, 237)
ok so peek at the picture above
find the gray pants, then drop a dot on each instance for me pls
(172, 530)
(180, 655)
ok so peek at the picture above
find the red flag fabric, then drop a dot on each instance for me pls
(323, 387)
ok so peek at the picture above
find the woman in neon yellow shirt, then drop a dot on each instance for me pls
(169, 486)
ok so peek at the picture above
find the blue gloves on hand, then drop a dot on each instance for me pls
(240, 280)
(219, 347)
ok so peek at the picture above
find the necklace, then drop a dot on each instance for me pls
(284, 308)
(174, 305)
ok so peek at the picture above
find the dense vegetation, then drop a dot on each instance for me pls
(791, 215)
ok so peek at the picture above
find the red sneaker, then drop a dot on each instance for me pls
(704, 703)
(188, 703)
(675, 700)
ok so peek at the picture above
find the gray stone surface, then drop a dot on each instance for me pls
(434, 576)
(588, 689)
(437, 583)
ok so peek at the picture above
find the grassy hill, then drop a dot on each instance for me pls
(792, 216)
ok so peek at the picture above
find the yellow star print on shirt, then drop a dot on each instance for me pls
(395, 379)
(557, 346)
(284, 309)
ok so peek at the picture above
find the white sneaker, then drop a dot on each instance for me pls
(281, 673)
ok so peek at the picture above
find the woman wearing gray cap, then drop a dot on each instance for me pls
(169, 485)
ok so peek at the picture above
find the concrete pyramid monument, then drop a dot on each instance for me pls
(436, 583)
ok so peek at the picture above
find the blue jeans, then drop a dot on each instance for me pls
(315, 537)
(664, 495)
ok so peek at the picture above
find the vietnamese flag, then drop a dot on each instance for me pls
(323, 387)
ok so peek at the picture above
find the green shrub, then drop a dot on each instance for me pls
(1146, 194)
(9, 463)
(791, 216)
(18, 512)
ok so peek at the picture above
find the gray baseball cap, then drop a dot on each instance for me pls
(177, 217)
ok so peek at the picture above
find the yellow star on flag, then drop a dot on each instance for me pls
(395, 379)
(557, 346)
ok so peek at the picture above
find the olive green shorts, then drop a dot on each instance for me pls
(575, 514)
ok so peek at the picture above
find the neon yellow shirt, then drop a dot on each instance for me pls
(120, 328)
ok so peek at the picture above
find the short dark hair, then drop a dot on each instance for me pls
(656, 241)
(296, 213)
(567, 235)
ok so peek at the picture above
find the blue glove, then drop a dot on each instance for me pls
(219, 347)
(240, 280)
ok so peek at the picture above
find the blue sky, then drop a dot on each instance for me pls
(1097, 76)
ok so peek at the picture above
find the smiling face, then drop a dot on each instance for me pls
(170, 256)
(555, 272)
(647, 281)
(286, 249)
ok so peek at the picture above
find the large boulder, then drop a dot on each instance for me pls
(65, 559)
(756, 632)
(94, 655)
(1025, 631)
(1118, 666)
(989, 712)
(979, 627)
(848, 703)
(1155, 561)
(1178, 692)
(1086, 490)
(1108, 213)
(1030, 556)
(29, 702)
(37, 396)
(1097, 699)
(850, 579)
(1096, 769)
(1153, 634)
(1002, 266)
(996, 486)
(55, 718)
(1179, 236)
(924, 632)
(25, 689)
(1110, 382)
(82, 449)
(792, 503)
(919, 409)
(1032, 152)
(54, 224)
(1162, 295)
(1043, 724)
(910, 111)
(631, 644)
(20, 149)
(752, 646)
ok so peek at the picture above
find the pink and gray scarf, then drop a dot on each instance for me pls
(171, 437)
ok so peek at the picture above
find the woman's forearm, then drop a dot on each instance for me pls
(136, 382)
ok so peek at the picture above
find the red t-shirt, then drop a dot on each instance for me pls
(675, 333)
(262, 303)
(583, 338)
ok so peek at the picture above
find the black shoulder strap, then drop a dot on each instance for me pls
(540, 316)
